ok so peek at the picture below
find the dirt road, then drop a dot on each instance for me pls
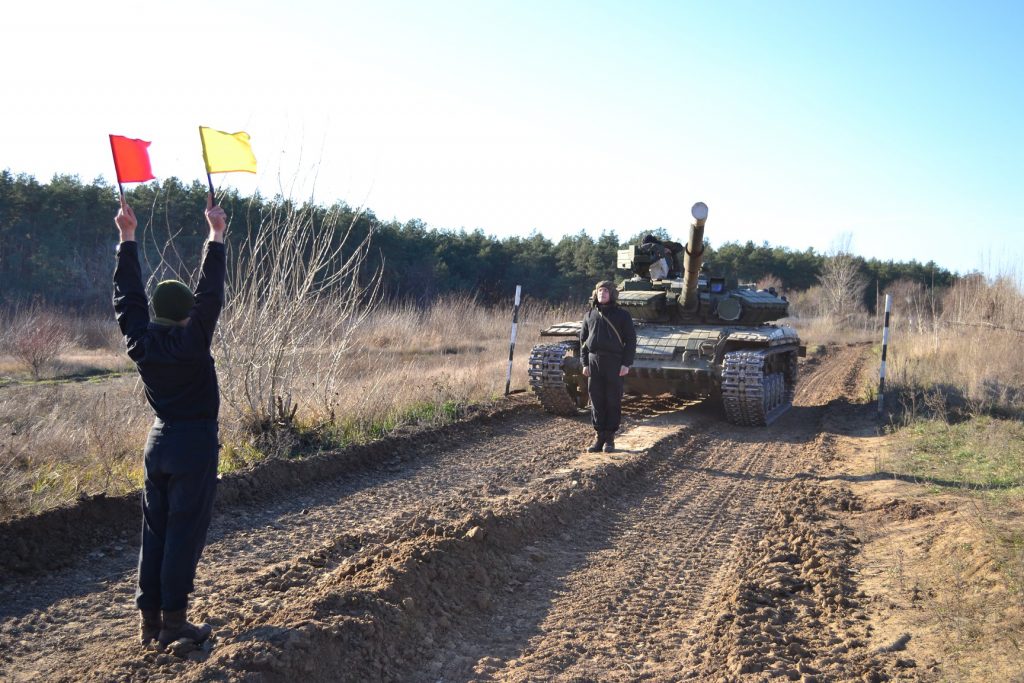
(501, 551)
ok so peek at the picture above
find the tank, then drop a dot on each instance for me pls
(697, 338)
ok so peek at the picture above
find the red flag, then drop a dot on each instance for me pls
(131, 159)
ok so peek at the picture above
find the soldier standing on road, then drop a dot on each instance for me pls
(172, 354)
(608, 344)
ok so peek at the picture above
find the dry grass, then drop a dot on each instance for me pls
(820, 331)
(62, 440)
(976, 370)
(965, 347)
(958, 384)
(824, 317)
(404, 365)
(409, 365)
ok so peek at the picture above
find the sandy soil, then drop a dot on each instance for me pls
(502, 551)
(929, 564)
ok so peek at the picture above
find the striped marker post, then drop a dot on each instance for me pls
(512, 344)
(885, 347)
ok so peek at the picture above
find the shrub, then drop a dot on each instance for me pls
(36, 338)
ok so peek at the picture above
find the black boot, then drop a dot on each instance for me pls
(609, 442)
(176, 626)
(598, 443)
(151, 625)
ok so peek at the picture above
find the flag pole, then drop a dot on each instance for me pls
(213, 197)
(209, 178)
(117, 171)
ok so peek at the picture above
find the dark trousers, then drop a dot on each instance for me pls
(605, 388)
(177, 502)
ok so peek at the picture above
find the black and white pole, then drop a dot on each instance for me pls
(512, 344)
(885, 348)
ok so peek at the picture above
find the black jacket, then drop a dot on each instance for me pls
(597, 335)
(175, 362)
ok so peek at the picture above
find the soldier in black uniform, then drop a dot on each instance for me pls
(172, 354)
(608, 345)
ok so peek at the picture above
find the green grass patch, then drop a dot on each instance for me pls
(297, 439)
(981, 458)
(982, 454)
(235, 457)
(93, 375)
(51, 484)
(432, 413)
(424, 413)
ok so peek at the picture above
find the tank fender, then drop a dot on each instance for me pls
(566, 329)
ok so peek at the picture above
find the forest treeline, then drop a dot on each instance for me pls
(57, 243)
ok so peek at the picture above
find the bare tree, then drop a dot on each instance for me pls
(842, 283)
(296, 293)
(914, 300)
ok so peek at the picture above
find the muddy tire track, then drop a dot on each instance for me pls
(495, 555)
(674, 538)
(48, 619)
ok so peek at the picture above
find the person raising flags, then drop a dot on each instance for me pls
(172, 354)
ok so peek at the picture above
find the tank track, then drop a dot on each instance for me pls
(547, 379)
(750, 395)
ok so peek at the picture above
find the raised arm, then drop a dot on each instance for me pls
(210, 291)
(130, 304)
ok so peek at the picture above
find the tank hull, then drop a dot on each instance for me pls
(750, 371)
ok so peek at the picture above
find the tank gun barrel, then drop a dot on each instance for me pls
(694, 257)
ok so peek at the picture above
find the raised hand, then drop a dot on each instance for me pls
(217, 219)
(126, 222)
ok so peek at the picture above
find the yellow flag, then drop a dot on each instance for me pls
(225, 152)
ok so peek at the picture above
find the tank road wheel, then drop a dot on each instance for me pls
(757, 385)
(559, 391)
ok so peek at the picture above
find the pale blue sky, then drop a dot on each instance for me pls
(796, 122)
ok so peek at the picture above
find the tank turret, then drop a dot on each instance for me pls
(691, 296)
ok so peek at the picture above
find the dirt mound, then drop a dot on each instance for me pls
(905, 510)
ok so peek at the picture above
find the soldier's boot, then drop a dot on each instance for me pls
(609, 442)
(151, 625)
(598, 443)
(176, 626)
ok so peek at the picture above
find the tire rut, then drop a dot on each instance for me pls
(48, 622)
(639, 570)
(631, 555)
(620, 610)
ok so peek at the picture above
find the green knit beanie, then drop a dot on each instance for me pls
(172, 300)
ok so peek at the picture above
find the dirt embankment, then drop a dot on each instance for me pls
(502, 552)
(58, 537)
